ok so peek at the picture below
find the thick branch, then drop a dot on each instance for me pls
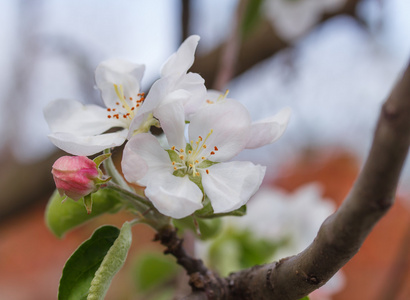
(343, 233)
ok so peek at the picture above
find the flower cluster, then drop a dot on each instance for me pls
(203, 131)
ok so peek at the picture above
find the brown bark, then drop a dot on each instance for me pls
(343, 233)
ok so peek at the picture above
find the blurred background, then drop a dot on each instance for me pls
(333, 62)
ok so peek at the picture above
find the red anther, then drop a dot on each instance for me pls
(131, 98)
(108, 109)
(109, 117)
(132, 108)
(212, 153)
(118, 103)
(207, 171)
(113, 109)
(216, 148)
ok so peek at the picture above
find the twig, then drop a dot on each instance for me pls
(204, 283)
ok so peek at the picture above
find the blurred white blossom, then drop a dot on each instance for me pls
(293, 18)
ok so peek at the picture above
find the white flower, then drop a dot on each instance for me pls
(80, 129)
(263, 132)
(216, 134)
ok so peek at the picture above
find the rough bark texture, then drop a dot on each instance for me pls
(340, 236)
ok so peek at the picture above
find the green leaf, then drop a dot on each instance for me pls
(111, 264)
(88, 203)
(80, 268)
(252, 16)
(305, 298)
(62, 217)
(208, 212)
(208, 228)
(153, 269)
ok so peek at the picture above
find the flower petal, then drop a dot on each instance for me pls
(144, 159)
(87, 145)
(230, 124)
(121, 73)
(194, 84)
(230, 185)
(174, 196)
(268, 130)
(172, 119)
(63, 115)
(182, 59)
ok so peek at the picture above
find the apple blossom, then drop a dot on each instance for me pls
(178, 178)
(81, 129)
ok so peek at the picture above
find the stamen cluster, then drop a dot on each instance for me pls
(128, 106)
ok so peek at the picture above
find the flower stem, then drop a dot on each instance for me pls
(113, 172)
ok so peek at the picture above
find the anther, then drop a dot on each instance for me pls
(207, 171)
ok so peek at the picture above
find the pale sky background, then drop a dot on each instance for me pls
(339, 77)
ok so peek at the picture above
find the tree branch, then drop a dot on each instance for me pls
(343, 233)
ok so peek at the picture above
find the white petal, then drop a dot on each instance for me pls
(87, 145)
(156, 95)
(172, 120)
(144, 159)
(195, 85)
(230, 185)
(173, 196)
(118, 72)
(230, 122)
(268, 130)
(182, 60)
(63, 115)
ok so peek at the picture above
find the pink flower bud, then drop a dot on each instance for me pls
(75, 176)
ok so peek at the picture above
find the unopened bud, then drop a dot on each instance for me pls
(77, 176)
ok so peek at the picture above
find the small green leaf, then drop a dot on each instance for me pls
(207, 212)
(62, 217)
(305, 298)
(88, 203)
(80, 268)
(111, 264)
(208, 228)
(252, 16)
(153, 269)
